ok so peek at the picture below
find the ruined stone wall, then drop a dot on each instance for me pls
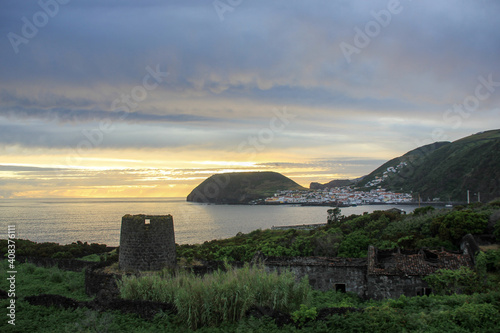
(325, 273)
(392, 286)
(147, 242)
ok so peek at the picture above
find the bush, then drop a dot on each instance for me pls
(423, 210)
(74, 250)
(476, 316)
(496, 230)
(435, 243)
(305, 314)
(455, 225)
(449, 281)
(354, 245)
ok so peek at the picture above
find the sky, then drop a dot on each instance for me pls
(148, 98)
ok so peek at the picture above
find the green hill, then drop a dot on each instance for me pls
(445, 170)
(241, 187)
(333, 183)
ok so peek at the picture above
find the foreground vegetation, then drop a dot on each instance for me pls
(223, 296)
(226, 300)
(74, 250)
(320, 311)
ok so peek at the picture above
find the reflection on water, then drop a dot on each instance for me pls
(98, 220)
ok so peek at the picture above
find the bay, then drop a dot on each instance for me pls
(65, 221)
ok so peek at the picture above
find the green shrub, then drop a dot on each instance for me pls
(57, 276)
(383, 319)
(304, 314)
(435, 243)
(449, 281)
(29, 248)
(62, 255)
(496, 230)
(334, 299)
(29, 268)
(476, 316)
(455, 225)
(354, 245)
(423, 210)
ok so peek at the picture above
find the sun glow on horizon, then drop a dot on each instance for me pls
(131, 173)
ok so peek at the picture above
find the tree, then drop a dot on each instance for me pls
(423, 210)
(455, 225)
(333, 215)
(354, 245)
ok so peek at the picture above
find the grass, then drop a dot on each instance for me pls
(454, 313)
(33, 280)
(224, 296)
(98, 257)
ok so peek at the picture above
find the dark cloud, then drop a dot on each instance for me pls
(78, 116)
(346, 166)
(427, 58)
(21, 168)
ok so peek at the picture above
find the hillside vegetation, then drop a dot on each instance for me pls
(241, 187)
(447, 170)
(350, 236)
(333, 183)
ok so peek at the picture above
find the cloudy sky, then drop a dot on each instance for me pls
(148, 98)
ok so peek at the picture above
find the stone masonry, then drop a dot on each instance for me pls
(147, 243)
(383, 274)
(344, 274)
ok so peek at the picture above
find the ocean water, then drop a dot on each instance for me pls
(99, 220)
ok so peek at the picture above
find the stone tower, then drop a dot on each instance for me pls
(147, 242)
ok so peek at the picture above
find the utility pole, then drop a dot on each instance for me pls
(468, 198)
(478, 197)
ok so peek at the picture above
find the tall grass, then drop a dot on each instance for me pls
(223, 296)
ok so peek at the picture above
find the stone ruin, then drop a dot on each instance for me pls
(382, 274)
(147, 243)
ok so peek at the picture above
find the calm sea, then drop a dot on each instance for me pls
(98, 220)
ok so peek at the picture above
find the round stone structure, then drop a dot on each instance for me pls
(147, 243)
